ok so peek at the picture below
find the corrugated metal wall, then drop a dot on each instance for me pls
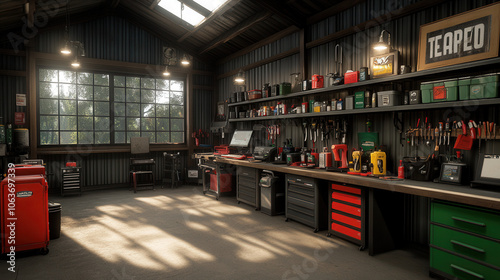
(9, 87)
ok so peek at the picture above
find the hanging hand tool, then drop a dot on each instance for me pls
(448, 131)
(304, 127)
(436, 135)
(472, 126)
(440, 132)
(494, 135)
(487, 133)
(337, 130)
(417, 132)
(344, 131)
(479, 135)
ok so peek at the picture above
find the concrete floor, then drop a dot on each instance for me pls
(182, 234)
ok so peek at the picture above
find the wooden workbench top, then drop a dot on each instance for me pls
(460, 194)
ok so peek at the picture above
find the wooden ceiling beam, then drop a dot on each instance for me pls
(209, 19)
(237, 30)
(154, 4)
(336, 9)
(197, 7)
(278, 9)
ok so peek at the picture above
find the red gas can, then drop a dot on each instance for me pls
(317, 81)
(24, 214)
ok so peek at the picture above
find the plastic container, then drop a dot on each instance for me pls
(54, 220)
(426, 91)
(484, 87)
(446, 90)
(389, 98)
(464, 88)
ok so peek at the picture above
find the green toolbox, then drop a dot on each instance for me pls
(359, 100)
(464, 88)
(484, 86)
(446, 90)
(426, 90)
(285, 88)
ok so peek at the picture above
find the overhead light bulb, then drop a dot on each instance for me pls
(185, 60)
(75, 63)
(381, 45)
(166, 72)
(66, 50)
(240, 78)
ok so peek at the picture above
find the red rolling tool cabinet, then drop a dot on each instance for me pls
(26, 220)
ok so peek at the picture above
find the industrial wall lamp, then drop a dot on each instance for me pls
(240, 78)
(381, 45)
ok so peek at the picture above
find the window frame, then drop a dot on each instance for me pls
(111, 101)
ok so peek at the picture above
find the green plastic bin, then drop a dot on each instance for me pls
(285, 88)
(484, 87)
(464, 88)
(426, 90)
(446, 90)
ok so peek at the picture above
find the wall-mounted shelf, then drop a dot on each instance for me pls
(424, 106)
(409, 76)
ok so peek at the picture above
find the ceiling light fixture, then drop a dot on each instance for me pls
(185, 60)
(166, 72)
(75, 63)
(240, 78)
(381, 45)
(66, 50)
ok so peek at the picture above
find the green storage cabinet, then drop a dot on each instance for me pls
(464, 241)
(359, 100)
(484, 87)
(285, 88)
(446, 91)
(426, 90)
(464, 88)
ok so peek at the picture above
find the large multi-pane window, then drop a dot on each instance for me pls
(96, 108)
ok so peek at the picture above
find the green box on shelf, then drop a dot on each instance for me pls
(484, 87)
(446, 90)
(464, 88)
(426, 91)
(359, 100)
(285, 88)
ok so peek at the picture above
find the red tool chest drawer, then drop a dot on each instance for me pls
(347, 213)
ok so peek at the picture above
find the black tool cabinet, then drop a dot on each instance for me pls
(247, 186)
(71, 180)
(347, 213)
(306, 201)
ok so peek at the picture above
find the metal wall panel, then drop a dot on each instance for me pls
(12, 62)
(9, 87)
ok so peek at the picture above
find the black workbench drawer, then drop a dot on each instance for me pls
(247, 186)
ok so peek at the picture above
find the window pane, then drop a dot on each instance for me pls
(119, 94)
(176, 111)
(101, 124)
(85, 78)
(49, 123)
(162, 137)
(119, 81)
(119, 109)
(68, 138)
(177, 97)
(67, 91)
(151, 136)
(85, 108)
(148, 110)
(85, 123)
(85, 92)
(120, 125)
(49, 90)
(119, 137)
(48, 107)
(67, 77)
(67, 107)
(147, 96)
(102, 138)
(162, 111)
(101, 108)
(133, 82)
(133, 110)
(49, 75)
(133, 95)
(133, 124)
(147, 124)
(162, 84)
(162, 124)
(85, 137)
(132, 134)
(49, 138)
(101, 79)
(101, 93)
(177, 125)
(162, 97)
(177, 85)
(68, 123)
(148, 83)
(177, 137)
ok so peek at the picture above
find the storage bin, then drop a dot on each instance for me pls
(389, 98)
(285, 88)
(464, 88)
(446, 90)
(484, 87)
(426, 91)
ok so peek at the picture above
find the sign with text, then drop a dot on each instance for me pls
(469, 36)
(19, 118)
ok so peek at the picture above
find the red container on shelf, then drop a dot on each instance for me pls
(254, 94)
(317, 81)
(351, 77)
(28, 218)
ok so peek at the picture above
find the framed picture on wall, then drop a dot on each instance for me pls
(470, 36)
(384, 64)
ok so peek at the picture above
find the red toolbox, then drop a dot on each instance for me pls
(22, 170)
(226, 182)
(24, 214)
(347, 213)
(351, 77)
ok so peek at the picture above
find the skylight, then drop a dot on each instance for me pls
(186, 13)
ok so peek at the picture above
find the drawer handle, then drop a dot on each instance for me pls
(467, 271)
(469, 221)
(454, 242)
